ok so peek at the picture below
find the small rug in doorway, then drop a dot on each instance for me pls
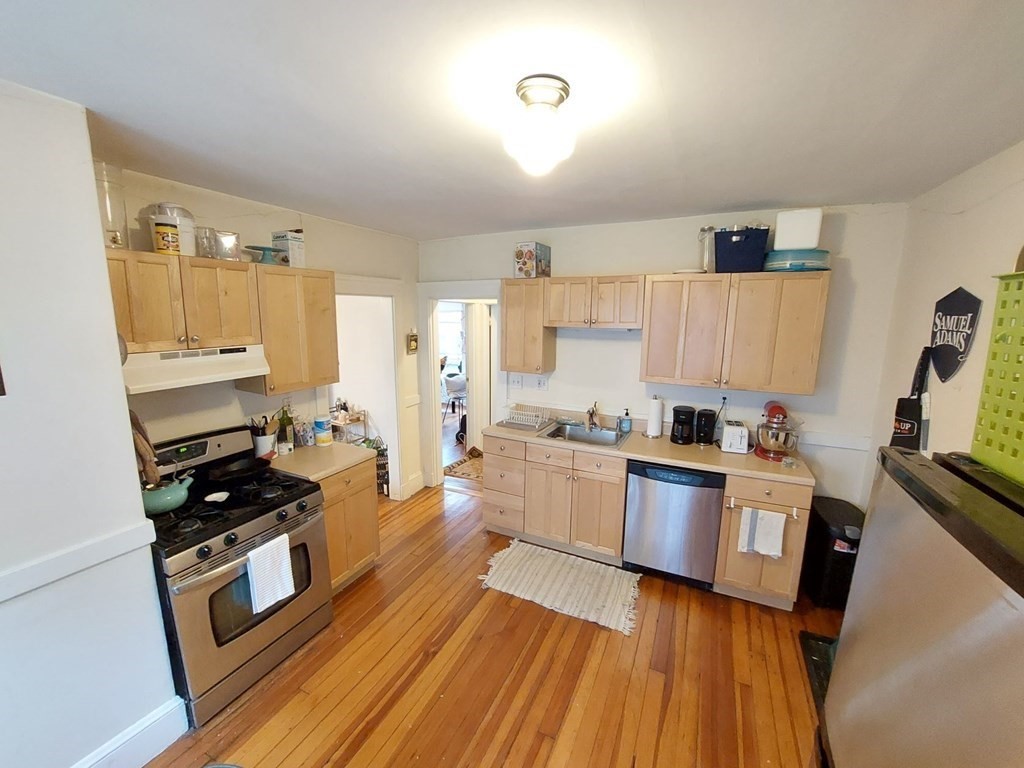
(471, 465)
(567, 584)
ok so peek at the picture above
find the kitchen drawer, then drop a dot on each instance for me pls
(754, 490)
(503, 510)
(499, 446)
(505, 475)
(546, 454)
(596, 462)
(339, 485)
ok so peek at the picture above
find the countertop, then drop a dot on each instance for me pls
(661, 450)
(316, 462)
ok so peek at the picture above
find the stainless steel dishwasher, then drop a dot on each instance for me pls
(673, 517)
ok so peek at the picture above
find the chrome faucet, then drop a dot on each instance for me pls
(592, 417)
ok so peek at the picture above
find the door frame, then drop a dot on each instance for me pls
(388, 288)
(485, 291)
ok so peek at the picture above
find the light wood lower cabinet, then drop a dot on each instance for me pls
(350, 516)
(298, 321)
(548, 509)
(753, 574)
(598, 509)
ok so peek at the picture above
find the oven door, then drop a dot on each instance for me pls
(213, 618)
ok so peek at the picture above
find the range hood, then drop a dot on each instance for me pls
(153, 371)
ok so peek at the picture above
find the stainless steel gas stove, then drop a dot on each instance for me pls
(219, 646)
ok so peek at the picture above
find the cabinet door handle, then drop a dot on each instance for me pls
(724, 382)
(568, 477)
(501, 448)
(182, 339)
(501, 511)
(538, 369)
(575, 479)
(767, 491)
(194, 339)
(547, 455)
(715, 380)
(271, 387)
(348, 481)
(598, 465)
(502, 474)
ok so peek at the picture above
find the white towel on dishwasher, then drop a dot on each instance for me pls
(270, 573)
(761, 532)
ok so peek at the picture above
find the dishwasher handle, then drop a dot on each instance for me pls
(676, 475)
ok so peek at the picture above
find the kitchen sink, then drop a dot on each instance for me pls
(578, 434)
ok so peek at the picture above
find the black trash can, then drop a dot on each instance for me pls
(833, 537)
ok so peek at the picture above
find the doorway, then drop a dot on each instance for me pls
(366, 372)
(463, 333)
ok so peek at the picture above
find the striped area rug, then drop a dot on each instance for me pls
(567, 584)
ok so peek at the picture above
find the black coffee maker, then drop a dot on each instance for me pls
(705, 429)
(682, 424)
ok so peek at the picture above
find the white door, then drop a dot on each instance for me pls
(478, 372)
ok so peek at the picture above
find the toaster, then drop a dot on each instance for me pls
(735, 437)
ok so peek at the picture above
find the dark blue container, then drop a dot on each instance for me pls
(740, 250)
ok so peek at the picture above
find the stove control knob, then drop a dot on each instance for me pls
(302, 506)
(282, 515)
(204, 551)
(231, 539)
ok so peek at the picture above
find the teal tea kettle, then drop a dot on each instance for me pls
(166, 495)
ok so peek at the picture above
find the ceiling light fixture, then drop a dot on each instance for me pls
(540, 137)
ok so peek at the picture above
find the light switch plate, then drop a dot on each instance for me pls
(515, 381)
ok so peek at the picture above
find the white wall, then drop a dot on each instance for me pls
(866, 243)
(366, 358)
(365, 262)
(82, 654)
(959, 234)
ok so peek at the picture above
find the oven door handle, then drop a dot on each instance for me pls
(236, 566)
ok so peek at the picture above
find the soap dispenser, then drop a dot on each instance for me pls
(626, 423)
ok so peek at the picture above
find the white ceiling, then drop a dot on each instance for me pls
(388, 114)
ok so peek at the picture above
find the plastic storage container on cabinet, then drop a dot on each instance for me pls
(833, 538)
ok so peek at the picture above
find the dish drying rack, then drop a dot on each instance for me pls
(526, 417)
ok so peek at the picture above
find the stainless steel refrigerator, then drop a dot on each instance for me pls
(929, 666)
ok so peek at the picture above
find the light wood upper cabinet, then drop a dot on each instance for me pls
(598, 503)
(299, 328)
(148, 308)
(548, 502)
(684, 329)
(526, 345)
(221, 302)
(774, 331)
(748, 331)
(594, 302)
(567, 302)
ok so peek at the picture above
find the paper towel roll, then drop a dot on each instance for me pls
(655, 414)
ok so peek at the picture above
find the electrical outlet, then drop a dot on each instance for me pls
(515, 381)
(286, 401)
(542, 382)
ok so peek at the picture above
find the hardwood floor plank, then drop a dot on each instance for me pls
(421, 666)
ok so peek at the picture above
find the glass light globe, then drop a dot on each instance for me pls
(539, 138)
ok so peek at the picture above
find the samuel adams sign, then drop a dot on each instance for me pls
(956, 318)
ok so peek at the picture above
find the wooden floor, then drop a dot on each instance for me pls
(423, 667)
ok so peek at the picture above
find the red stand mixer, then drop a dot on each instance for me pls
(775, 438)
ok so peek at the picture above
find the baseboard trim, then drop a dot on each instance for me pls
(412, 486)
(142, 741)
(59, 565)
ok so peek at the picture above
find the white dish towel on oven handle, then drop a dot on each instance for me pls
(270, 573)
(761, 532)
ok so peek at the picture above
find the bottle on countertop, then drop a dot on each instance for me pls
(285, 431)
(626, 422)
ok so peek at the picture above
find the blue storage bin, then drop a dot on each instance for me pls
(740, 250)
